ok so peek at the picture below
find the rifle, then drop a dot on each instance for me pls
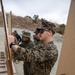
(7, 49)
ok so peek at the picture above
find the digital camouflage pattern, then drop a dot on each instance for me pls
(28, 44)
(41, 58)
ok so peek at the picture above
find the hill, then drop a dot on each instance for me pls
(30, 23)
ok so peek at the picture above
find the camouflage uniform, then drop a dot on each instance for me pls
(27, 44)
(41, 58)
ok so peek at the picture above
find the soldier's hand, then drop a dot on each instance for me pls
(10, 39)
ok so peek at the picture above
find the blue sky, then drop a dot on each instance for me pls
(51, 10)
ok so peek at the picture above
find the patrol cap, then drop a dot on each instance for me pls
(26, 34)
(49, 26)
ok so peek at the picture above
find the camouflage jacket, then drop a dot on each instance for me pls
(41, 58)
(27, 45)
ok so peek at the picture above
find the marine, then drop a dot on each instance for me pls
(41, 57)
(26, 43)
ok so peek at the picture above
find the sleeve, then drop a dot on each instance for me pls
(35, 54)
(29, 55)
(31, 44)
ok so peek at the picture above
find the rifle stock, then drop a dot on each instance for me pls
(7, 50)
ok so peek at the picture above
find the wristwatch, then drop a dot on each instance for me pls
(12, 43)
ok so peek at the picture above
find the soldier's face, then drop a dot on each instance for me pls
(44, 35)
(25, 38)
